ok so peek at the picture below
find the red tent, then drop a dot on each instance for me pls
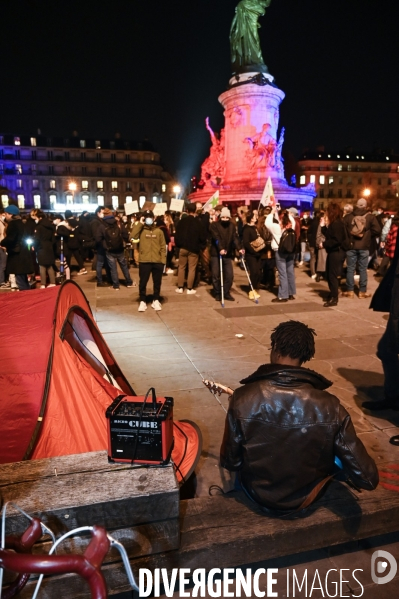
(57, 378)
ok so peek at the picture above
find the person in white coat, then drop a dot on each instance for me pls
(277, 224)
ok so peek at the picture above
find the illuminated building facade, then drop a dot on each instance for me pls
(76, 173)
(347, 176)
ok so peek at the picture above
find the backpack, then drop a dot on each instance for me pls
(113, 238)
(287, 242)
(358, 226)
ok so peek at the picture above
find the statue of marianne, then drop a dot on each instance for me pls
(244, 37)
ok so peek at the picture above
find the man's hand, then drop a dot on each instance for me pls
(142, 219)
(242, 252)
(223, 252)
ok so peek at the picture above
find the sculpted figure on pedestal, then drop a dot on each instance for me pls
(244, 36)
(213, 166)
(261, 150)
(278, 158)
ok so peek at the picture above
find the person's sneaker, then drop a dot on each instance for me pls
(229, 297)
(364, 295)
(191, 291)
(132, 284)
(333, 301)
(115, 288)
(5, 286)
(300, 263)
(83, 271)
(313, 276)
(218, 298)
(51, 285)
(179, 289)
(291, 297)
(156, 305)
(350, 294)
(279, 300)
(102, 285)
(142, 307)
(169, 271)
(42, 287)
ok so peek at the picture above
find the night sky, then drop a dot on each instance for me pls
(154, 69)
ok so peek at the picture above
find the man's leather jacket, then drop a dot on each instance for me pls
(282, 433)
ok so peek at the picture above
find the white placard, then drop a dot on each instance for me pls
(176, 205)
(131, 207)
(160, 209)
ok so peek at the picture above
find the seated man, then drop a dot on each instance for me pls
(283, 430)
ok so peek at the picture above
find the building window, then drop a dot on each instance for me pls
(330, 180)
(4, 200)
(113, 157)
(322, 179)
(1, 169)
(389, 181)
(128, 186)
(313, 178)
(340, 193)
(114, 184)
(68, 170)
(321, 193)
(141, 172)
(69, 198)
(51, 170)
(33, 169)
(17, 154)
(142, 188)
(340, 180)
(84, 170)
(17, 141)
(99, 171)
(85, 198)
(349, 181)
(129, 199)
(349, 167)
(142, 200)
(360, 180)
(33, 142)
(127, 157)
(115, 202)
(127, 172)
(36, 201)
(100, 184)
(85, 185)
(164, 186)
(98, 145)
(52, 184)
(35, 184)
(340, 167)
(155, 199)
(379, 181)
(49, 155)
(113, 172)
(98, 156)
(21, 201)
(53, 200)
(83, 156)
(82, 143)
(66, 155)
(18, 169)
(330, 193)
(321, 205)
(33, 154)
(19, 183)
(100, 200)
(112, 145)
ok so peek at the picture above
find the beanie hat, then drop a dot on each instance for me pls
(12, 209)
(68, 214)
(225, 213)
(362, 203)
(293, 211)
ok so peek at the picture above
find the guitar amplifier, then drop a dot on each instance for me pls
(140, 432)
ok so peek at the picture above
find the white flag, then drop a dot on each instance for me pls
(267, 198)
(212, 202)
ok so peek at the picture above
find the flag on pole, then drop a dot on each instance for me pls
(212, 202)
(267, 198)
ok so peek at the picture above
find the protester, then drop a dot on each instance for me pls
(100, 258)
(362, 227)
(19, 261)
(109, 234)
(72, 241)
(333, 229)
(224, 241)
(250, 237)
(152, 258)
(171, 246)
(283, 429)
(305, 223)
(311, 243)
(3, 253)
(279, 225)
(190, 238)
(267, 260)
(321, 262)
(43, 241)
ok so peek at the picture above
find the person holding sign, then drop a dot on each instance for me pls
(152, 258)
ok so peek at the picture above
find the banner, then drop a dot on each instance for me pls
(132, 208)
(267, 198)
(176, 205)
(160, 209)
(212, 202)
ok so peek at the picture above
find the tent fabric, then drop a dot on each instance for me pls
(186, 450)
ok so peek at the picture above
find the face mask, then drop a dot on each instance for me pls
(148, 221)
(225, 223)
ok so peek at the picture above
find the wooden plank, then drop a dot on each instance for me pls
(232, 531)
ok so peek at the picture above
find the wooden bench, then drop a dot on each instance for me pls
(229, 531)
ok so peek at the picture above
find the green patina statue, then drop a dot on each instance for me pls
(246, 54)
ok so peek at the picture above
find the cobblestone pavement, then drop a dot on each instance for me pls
(193, 337)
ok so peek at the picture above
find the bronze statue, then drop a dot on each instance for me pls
(246, 54)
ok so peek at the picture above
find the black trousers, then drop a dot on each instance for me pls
(228, 275)
(388, 348)
(145, 270)
(253, 264)
(335, 262)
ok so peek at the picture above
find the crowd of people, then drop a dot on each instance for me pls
(338, 244)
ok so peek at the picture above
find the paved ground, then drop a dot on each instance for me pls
(194, 338)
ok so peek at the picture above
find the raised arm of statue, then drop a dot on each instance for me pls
(244, 36)
(214, 139)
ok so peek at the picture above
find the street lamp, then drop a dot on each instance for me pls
(176, 190)
(366, 193)
(72, 188)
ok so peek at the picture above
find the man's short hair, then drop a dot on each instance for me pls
(191, 208)
(294, 339)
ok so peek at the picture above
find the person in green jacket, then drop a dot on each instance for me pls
(152, 251)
